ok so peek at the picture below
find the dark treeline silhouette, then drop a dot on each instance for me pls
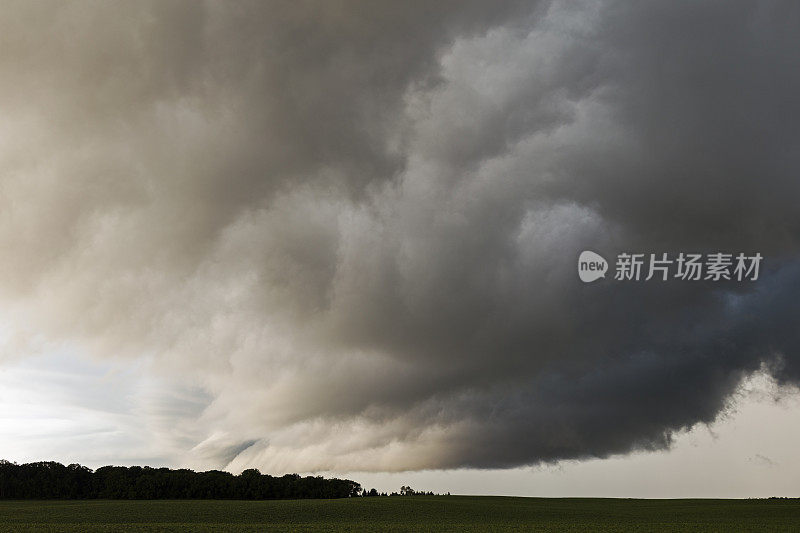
(404, 491)
(51, 480)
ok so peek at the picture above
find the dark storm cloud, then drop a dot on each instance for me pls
(354, 225)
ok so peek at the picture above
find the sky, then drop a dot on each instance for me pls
(342, 237)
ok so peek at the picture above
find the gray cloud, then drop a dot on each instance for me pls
(353, 226)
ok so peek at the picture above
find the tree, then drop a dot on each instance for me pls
(51, 480)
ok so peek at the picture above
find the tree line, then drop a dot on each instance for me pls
(52, 480)
(404, 491)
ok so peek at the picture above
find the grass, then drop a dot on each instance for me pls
(418, 513)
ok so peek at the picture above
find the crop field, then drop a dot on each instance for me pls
(416, 513)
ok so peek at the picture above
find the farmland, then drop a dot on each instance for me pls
(416, 513)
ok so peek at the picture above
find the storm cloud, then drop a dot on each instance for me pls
(347, 232)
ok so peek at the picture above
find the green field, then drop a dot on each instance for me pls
(418, 513)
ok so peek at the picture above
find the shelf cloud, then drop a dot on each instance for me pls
(347, 231)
